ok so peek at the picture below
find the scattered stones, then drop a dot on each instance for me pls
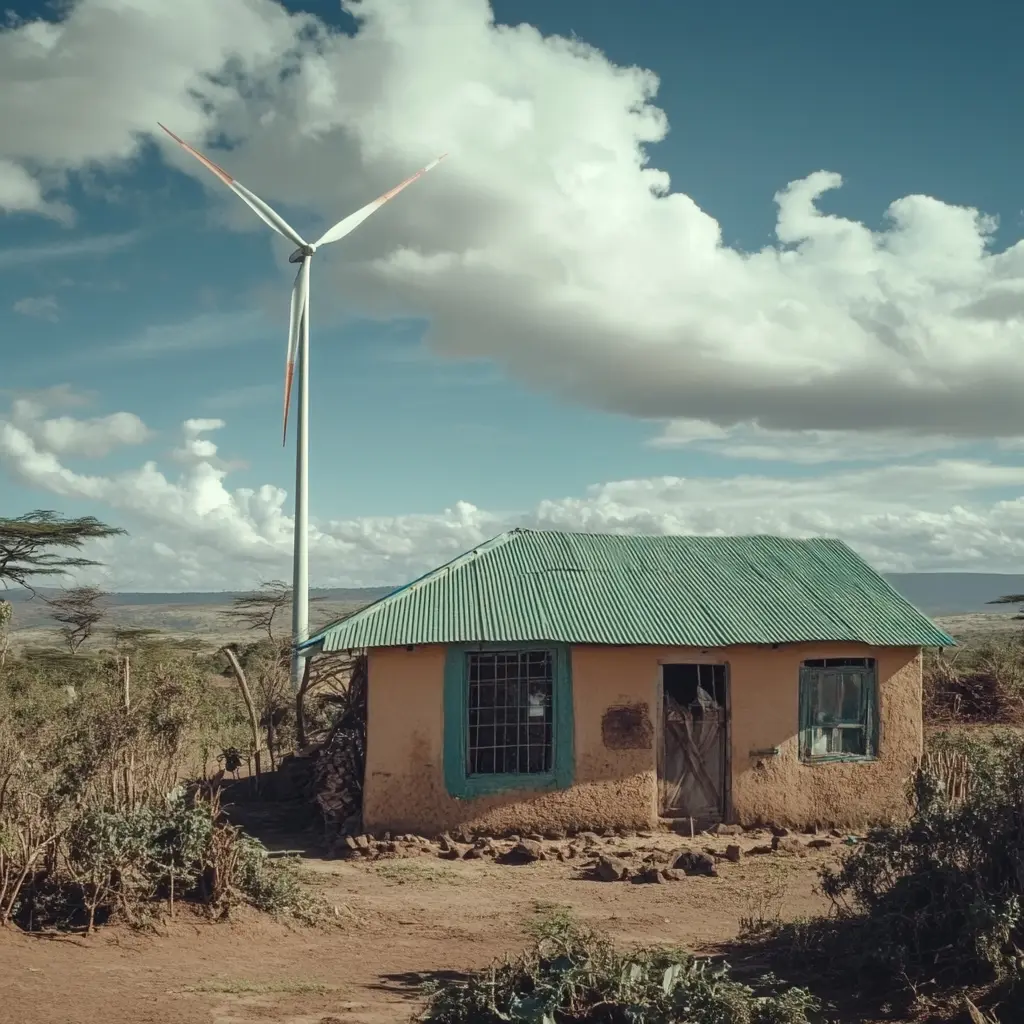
(779, 831)
(692, 863)
(721, 829)
(526, 851)
(672, 874)
(788, 845)
(733, 853)
(761, 849)
(820, 844)
(647, 875)
(610, 869)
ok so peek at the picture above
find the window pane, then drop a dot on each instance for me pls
(509, 712)
(829, 698)
(820, 742)
(851, 740)
(853, 683)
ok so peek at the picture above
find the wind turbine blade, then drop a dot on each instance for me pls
(353, 220)
(295, 314)
(266, 213)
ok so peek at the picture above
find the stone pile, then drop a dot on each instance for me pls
(598, 857)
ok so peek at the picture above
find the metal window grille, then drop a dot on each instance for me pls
(509, 712)
(838, 699)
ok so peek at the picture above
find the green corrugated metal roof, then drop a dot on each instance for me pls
(529, 585)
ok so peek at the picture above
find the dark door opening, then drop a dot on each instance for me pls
(692, 752)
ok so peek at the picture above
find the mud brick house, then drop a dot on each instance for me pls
(565, 681)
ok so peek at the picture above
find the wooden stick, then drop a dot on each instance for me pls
(254, 722)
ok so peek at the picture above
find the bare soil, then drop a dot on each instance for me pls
(399, 923)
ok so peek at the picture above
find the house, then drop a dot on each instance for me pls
(559, 681)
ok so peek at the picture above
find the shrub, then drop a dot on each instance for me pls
(983, 684)
(935, 902)
(572, 975)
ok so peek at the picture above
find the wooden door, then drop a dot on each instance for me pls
(691, 762)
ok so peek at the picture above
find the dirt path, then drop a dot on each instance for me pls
(401, 921)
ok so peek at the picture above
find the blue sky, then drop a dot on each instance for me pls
(142, 285)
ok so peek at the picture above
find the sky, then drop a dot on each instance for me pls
(687, 268)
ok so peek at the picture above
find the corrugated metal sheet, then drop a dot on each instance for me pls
(609, 589)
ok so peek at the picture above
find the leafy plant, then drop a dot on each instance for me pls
(572, 975)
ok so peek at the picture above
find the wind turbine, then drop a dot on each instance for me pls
(298, 344)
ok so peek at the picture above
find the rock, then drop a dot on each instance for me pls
(610, 869)
(453, 851)
(835, 833)
(363, 842)
(588, 837)
(526, 851)
(646, 876)
(733, 853)
(554, 833)
(820, 844)
(779, 831)
(535, 837)
(608, 833)
(473, 853)
(760, 849)
(692, 863)
(721, 829)
(788, 845)
(672, 874)
(572, 851)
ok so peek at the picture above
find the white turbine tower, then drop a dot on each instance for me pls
(298, 342)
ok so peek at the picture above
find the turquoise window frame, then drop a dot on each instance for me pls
(459, 783)
(868, 719)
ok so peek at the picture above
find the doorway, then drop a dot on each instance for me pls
(693, 746)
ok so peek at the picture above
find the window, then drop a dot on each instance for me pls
(508, 722)
(509, 712)
(838, 709)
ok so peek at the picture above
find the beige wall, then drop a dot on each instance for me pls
(405, 791)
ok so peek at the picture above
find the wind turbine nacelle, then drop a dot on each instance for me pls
(301, 253)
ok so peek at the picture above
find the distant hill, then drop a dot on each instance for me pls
(935, 593)
(958, 593)
(333, 595)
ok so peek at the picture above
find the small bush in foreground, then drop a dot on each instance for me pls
(132, 863)
(574, 976)
(936, 902)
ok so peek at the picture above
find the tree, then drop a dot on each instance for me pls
(78, 610)
(1011, 599)
(28, 543)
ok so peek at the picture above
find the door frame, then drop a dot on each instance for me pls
(659, 730)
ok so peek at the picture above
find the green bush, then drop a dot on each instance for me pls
(574, 976)
(933, 903)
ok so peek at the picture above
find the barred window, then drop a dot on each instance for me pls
(837, 708)
(509, 712)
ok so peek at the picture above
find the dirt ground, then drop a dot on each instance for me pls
(400, 922)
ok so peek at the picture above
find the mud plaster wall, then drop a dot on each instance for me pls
(404, 785)
(616, 786)
(765, 714)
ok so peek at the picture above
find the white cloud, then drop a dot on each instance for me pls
(546, 242)
(28, 429)
(806, 447)
(193, 530)
(42, 307)
(95, 245)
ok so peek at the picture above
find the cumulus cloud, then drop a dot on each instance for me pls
(547, 243)
(42, 307)
(192, 530)
(28, 428)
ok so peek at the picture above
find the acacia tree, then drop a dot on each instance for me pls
(78, 610)
(37, 544)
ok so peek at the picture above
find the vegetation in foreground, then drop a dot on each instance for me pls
(573, 975)
(933, 906)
